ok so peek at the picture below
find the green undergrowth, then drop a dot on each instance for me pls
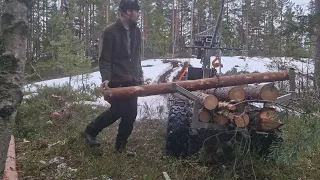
(51, 148)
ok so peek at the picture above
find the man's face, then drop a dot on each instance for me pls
(133, 15)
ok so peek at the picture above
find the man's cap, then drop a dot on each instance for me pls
(129, 5)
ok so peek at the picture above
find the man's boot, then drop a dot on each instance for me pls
(90, 140)
(121, 146)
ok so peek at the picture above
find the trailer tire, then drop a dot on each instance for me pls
(177, 138)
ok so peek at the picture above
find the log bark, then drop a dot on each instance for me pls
(13, 38)
(262, 92)
(204, 115)
(194, 85)
(231, 93)
(226, 105)
(210, 102)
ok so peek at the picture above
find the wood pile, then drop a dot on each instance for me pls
(228, 105)
(223, 98)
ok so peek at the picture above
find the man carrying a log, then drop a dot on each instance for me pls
(120, 66)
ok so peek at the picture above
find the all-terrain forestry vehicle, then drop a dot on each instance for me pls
(213, 111)
(214, 118)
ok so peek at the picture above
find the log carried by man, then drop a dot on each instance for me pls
(194, 85)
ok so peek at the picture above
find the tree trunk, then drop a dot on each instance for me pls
(317, 55)
(13, 39)
(107, 11)
(87, 42)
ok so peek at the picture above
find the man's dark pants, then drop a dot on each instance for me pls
(125, 108)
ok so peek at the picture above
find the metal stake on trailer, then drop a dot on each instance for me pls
(206, 46)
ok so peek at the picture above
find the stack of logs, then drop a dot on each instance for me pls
(229, 105)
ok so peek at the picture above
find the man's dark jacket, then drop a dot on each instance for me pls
(115, 62)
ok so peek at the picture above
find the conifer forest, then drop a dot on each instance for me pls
(251, 110)
(268, 28)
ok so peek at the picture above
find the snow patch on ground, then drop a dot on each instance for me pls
(91, 80)
(155, 106)
(174, 73)
(168, 68)
(154, 71)
(152, 107)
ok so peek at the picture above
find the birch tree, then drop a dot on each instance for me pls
(13, 43)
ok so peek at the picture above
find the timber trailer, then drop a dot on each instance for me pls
(212, 118)
(208, 111)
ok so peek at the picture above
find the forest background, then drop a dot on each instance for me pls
(267, 28)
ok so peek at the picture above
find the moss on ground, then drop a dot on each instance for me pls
(53, 149)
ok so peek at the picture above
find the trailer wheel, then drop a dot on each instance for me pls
(178, 129)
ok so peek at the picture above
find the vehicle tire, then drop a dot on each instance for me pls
(178, 127)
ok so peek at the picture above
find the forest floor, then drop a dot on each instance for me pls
(51, 148)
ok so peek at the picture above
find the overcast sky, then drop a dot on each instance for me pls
(301, 2)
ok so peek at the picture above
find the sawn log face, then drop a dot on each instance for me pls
(210, 102)
(194, 85)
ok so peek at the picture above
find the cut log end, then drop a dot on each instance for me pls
(237, 94)
(269, 93)
(204, 116)
(270, 124)
(269, 120)
(267, 113)
(210, 102)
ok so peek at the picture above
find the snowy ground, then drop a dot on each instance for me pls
(155, 106)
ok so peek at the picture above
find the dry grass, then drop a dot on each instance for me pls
(41, 140)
